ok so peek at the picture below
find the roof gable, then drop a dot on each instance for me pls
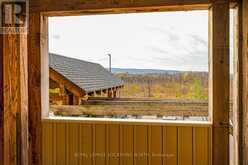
(87, 75)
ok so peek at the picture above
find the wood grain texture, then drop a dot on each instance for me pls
(69, 143)
(72, 7)
(1, 101)
(10, 98)
(219, 79)
(42, 22)
(245, 82)
(13, 99)
(34, 89)
(238, 86)
(64, 5)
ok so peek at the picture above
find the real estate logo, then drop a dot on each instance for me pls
(14, 16)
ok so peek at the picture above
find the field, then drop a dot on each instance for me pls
(178, 86)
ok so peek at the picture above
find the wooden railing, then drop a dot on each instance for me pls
(125, 142)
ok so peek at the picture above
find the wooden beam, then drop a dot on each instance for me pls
(35, 88)
(66, 6)
(13, 98)
(1, 102)
(219, 80)
(245, 82)
(44, 65)
(72, 7)
(238, 86)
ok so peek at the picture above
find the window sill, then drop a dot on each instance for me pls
(128, 121)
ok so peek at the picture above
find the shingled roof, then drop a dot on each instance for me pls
(87, 75)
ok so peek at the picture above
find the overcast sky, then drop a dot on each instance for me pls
(168, 40)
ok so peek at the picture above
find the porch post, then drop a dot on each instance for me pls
(13, 89)
(238, 86)
(219, 80)
(38, 71)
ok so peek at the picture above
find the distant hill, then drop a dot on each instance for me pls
(143, 71)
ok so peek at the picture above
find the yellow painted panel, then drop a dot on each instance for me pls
(100, 144)
(54, 143)
(170, 145)
(126, 144)
(141, 145)
(113, 148)
(66, 143)
(86, 144)
(201, 146)
(60, 143)
(155, 145)
(47, 143)
(72, 149)
(185, 146)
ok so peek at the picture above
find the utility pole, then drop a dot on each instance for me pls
(110, 59)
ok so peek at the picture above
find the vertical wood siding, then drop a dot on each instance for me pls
(72, 143)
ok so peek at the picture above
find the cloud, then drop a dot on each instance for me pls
(173, 37)
(167, 31)
(157, 49)
(147, 42)
(197, 40)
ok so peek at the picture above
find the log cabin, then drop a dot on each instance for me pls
(77, 80)
(28, 136)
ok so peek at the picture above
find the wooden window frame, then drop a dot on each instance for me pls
(218, 58)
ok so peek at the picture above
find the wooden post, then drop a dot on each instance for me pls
(219, 80)
(238, 85)
(115, 93)
(38, 72)
(13, 97)
(120, 91)
(76, 100)
(1, 103)
(245, 82)
(63, 94)
(110, 93)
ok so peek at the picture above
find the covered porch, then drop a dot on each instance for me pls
(29, 136)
